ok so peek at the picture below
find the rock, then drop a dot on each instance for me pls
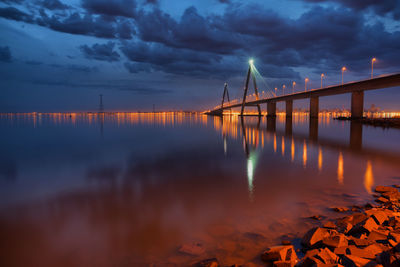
(340, 250)
(330, 225)
(382, 200)
(383, 189)
(327, 256)
(380, 217)
(284, 264)
(279, 253)
(207, 263)
(360, 242)
(365, 226)
(395, 237)
(286, 242)
(319, 257)
(340, 209)
(315, 236)
(375, 236)
(316, 217)
(194, 249)
(350, 260)
(361, 252)
(335, 241)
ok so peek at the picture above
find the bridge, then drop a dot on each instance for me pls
(355, 88)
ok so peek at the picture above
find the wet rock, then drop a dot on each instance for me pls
(315, 236)
(383, 189)
(365, 226)
(350, 261)
(194, 249)
(280, 253)
(359, 242)
(213, 262)
(379, 216)
(366, 253)
(330, 225)
(316, 217)
(340, 209)
(376, 236)
(382, 200)
(335, 241)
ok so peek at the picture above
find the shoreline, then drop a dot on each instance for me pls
(368, 235)
(376, 122)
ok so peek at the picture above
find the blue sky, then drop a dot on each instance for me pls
(59, 55)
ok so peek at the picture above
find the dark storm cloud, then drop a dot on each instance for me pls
(75, 68)
(15, 14)
(104, 52)
(380, 7)
(124, 8)
(5, 54)
(193, 31)
(53, 4)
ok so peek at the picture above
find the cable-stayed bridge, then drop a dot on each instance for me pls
(270, 98)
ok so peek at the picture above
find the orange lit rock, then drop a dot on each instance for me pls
(315, 236)
(279, 253)
(335, 241)
(351, 260)
(340, 209)
(365, 226)
(383, 189)
(377, 236)
(207, 263)
(330, 225)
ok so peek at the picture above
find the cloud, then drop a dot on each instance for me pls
(53, 5)
(381, 7)
(124, 8)
(15, 14)
(104, 52)
(5, 54)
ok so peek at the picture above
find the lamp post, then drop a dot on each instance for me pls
(305, 84)
(372, 67)
(343, 70)
(293, 84)
(283, 89)
(322, 76)
(276, 88)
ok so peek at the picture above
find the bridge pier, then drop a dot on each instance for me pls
(357, 104)
(314, 106)
(289, 108)
(355, 135)
(288, 126)
(313, 133)
(271, 124)
(271, 109)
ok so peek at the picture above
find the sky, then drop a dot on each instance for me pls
(59, 55)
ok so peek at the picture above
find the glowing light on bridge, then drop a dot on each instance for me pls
(372, 67)
(343, 70)
(251, 62)
(293, 85)
(306, 80)
(322, 77)
(340, 169)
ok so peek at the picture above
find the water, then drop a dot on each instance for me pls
(131, 189)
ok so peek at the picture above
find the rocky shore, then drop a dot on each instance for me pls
(368, 236)
(378, 122)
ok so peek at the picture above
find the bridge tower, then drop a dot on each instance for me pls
(225, 93)
(250, 72)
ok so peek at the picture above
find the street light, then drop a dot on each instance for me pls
(294, 83)
(343, 70)
(276, 88)
(372, 67)
(283, 89)
(322, 76)
(305, 85)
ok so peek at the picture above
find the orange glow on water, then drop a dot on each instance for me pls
(283, 146)
(292, 149)
(340, 169)
(304, 154)
(369, 178)
(320, 159)
(275, 142)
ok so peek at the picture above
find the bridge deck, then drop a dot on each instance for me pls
(381, 82)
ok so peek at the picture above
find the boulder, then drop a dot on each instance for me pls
(335, 241)
(315, 236)
(340, 209)
(207, 263)
(376, 236)
(350, 261)
(383, 189)
(330, 225)
(194, 249)
(365, 226)
(279, 253)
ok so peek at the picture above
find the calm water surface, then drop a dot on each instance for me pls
(131, 189)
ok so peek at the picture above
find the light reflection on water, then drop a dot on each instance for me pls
(130, 188)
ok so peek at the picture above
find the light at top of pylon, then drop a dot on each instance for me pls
(251, 61)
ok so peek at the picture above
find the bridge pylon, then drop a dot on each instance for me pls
(225, 93)
(250, 72)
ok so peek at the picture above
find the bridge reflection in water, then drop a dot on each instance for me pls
(257, 132)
